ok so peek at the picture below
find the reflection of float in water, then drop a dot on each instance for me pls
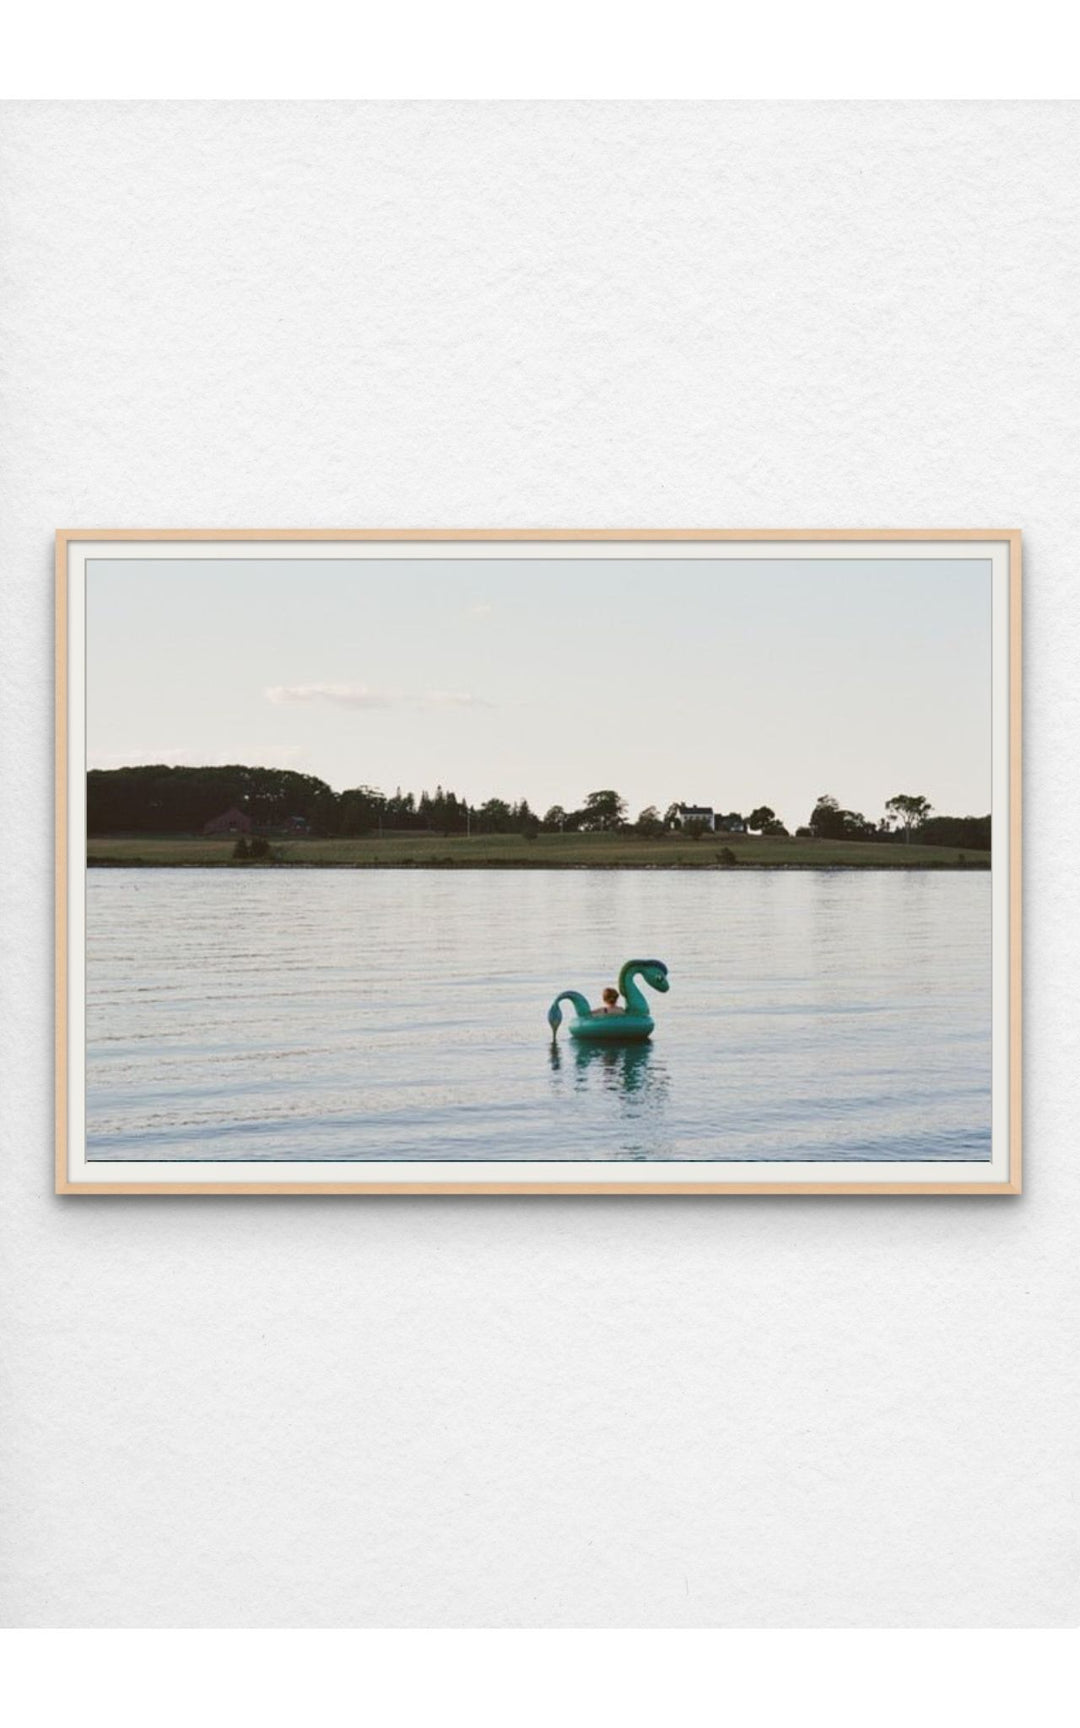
(633, 1073)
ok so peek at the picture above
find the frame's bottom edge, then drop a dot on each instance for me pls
(561, 1188)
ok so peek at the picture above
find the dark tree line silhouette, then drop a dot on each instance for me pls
(155, 799)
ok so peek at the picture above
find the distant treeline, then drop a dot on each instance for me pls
(907, 817)
(156, 799)
(160, 800)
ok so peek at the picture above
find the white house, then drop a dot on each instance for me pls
(685, 813)
(713, 821)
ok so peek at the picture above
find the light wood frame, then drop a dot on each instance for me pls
(1010, 537)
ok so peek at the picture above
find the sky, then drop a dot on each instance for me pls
(728, 683)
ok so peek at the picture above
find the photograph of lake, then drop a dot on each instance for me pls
(561, 862)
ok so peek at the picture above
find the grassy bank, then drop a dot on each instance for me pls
(546, 852)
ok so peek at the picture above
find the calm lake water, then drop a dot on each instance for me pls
(361, 1015)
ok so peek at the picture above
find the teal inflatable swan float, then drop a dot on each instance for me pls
(633, 1025)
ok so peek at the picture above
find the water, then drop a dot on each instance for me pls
(366, 1015)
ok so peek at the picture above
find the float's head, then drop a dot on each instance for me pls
(655, 973)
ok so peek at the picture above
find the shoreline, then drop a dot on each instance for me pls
(405, 851)
(517, 864)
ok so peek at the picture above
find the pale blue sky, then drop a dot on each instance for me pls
(728, 683)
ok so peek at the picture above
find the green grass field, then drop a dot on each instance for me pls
(547, 852)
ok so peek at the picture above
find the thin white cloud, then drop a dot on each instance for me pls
(360, 696)
(345, 695)
(481, 610)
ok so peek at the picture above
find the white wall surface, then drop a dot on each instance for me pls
(741, 1412)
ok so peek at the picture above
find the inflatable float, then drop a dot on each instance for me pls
(630, 1026)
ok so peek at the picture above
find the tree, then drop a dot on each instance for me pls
(825, 823)
(909, 809)
(971, 832)
(695, 828)
(763, 820)
(604, 810)
(449, 812)
(555, 818)
(649, 824)
(400, 811)
(358, 810)
(495, 817)
(525, 820)
(829, 822)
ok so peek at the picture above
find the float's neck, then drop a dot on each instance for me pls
(628, 989)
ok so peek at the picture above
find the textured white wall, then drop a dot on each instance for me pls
(541, 1412)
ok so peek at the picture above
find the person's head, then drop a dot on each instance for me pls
(611, 996)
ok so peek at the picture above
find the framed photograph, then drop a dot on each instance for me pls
(435, 862)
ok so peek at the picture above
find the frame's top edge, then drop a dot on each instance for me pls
(66, 535)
